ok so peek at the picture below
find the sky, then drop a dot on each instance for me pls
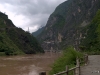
(31, 14)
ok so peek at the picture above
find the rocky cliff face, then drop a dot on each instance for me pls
(65, 24)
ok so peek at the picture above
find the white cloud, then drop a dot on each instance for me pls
(29, 13)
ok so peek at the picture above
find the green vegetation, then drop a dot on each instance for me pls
(7, 47)
(24, 41)
(62, 9)
(68, 58)
(14, 41)
(60, 22)
(92, 41)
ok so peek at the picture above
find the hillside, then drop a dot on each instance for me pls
(65, 24)
(92, 40)
(14, 40)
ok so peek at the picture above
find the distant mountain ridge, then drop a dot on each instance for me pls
(36, 33)
(14, 40)
(65, 24)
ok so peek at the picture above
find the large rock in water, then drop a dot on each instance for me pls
(14, 40)
(66, 22)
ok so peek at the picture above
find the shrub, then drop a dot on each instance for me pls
(68, 58)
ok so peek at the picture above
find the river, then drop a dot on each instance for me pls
(27, 64)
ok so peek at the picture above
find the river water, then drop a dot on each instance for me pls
(27, 64)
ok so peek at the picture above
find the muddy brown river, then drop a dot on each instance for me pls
(27, 64)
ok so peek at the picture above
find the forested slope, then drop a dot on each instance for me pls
(14, 40)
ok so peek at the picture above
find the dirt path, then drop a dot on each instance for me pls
(93, 68)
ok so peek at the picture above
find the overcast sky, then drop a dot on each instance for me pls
(29, 13)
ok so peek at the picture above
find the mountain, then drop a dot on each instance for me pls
(14, 40)
(35, 34)
(65, 24)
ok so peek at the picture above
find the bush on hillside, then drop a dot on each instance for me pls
(68, 58)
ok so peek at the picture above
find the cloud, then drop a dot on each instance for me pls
(29, 13)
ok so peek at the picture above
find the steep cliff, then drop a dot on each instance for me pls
(65, 24)
(14, 40)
